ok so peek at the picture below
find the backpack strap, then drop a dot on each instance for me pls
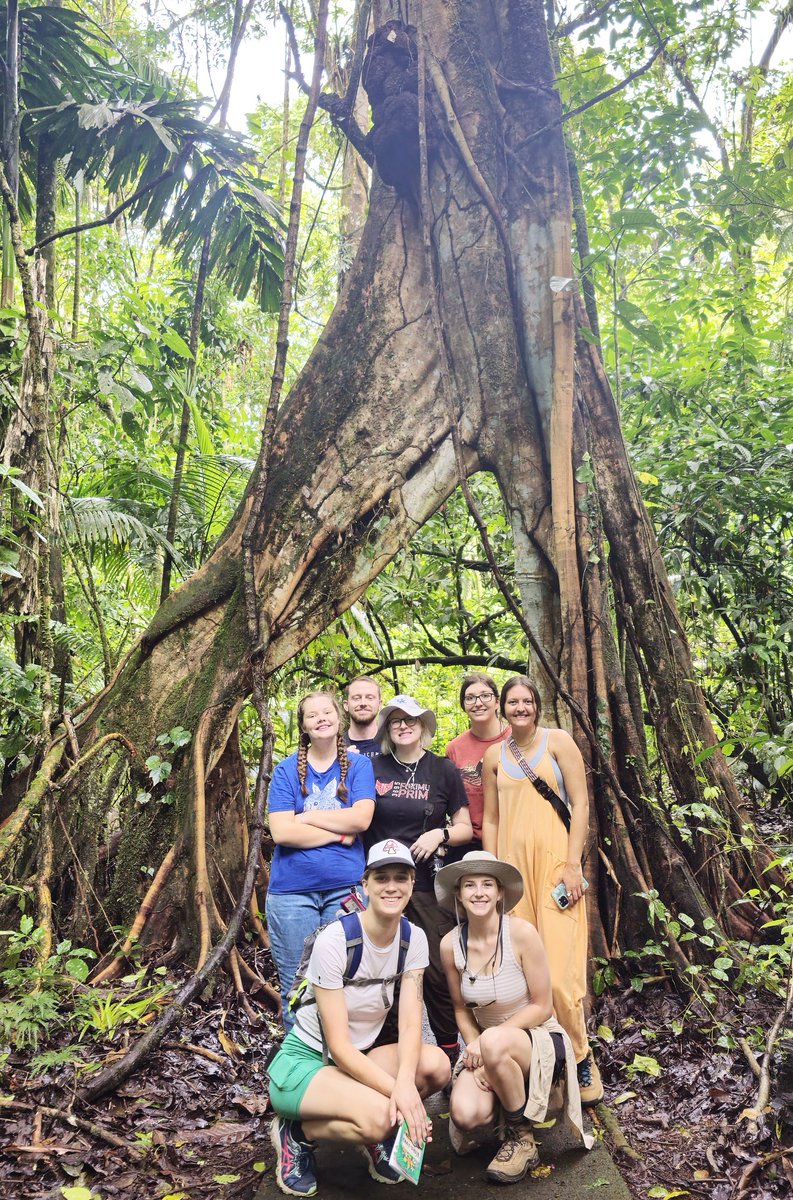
(353, 936)
(404, 943)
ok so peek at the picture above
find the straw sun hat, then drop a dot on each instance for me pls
(478, 862)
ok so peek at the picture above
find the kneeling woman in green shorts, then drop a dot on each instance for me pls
(363, 1091)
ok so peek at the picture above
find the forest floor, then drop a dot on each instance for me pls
(192, 1124)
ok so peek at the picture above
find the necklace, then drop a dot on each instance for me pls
(491, 962)
(410, 768)
(528, 747)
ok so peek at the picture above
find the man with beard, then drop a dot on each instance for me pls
(362, 705)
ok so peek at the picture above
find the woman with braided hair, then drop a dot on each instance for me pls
(320, 800)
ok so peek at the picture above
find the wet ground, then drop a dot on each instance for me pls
(565, 1171)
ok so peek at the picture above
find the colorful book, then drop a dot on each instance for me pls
(407, 1155)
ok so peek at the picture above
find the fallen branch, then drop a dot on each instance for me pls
(752, 1115)
(201, 1051)
(747, 1175)
(69, 1118)
(607, 1118)
(750, 1057)
(114, 1075)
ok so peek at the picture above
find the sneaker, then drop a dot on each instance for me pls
(516, 1157)
(294, 1168)
(589, 1082)
(377, 1156)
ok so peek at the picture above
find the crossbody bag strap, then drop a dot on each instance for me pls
(546, 791)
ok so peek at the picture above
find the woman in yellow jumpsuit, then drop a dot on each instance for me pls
(523, 827)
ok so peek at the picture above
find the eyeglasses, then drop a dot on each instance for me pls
(394, 722)
(483, 698)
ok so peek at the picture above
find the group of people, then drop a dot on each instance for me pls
(471, 868)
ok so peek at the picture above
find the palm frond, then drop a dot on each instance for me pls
(103, 523)
(198, 176)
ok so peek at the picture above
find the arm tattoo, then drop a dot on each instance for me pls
(418, 979)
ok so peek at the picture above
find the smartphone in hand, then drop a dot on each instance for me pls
(559, 894)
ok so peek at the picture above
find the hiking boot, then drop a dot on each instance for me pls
(517, 1155)
(377, 1155)
(294, 1168)
(589, 1082)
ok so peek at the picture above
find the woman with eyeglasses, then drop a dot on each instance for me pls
(479, 702)
(420, 800)
(500, 984)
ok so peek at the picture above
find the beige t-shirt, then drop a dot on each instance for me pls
(367, 1005)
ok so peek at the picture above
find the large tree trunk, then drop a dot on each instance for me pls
(364, 454)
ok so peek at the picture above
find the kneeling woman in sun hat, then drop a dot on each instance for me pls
(329, 1081)
(515, 1049)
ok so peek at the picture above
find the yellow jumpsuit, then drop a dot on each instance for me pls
(532, 837)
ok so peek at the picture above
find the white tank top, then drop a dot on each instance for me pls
(493, 998)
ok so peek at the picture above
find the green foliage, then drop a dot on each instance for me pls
(34, 989)
(49, 998)
(160, 768)
(103, 1014)
(434, 608)
(19, 707)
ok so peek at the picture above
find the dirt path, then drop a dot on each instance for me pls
(565, 1173)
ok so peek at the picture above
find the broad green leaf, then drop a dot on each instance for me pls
(644, 1064)
(635, 218)
(11, 473)
(174, 341)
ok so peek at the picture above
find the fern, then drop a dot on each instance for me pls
(24, 1021)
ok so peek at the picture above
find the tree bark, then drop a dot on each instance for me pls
(363, 454)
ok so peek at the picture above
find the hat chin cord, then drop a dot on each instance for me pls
(464, 942)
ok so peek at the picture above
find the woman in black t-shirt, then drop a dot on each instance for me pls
(420, 801)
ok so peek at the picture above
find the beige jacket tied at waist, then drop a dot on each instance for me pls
(543, 1062)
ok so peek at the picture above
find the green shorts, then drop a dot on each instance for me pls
(290, 1073)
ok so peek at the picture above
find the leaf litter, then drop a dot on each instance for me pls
(683, 1114)
(196, 1119)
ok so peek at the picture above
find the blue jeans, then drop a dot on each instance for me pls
(291, 917)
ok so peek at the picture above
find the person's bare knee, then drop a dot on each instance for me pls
(469, 1106)
(375, 1124)
(433, 1071)
(467, 1115)
(494, 1044)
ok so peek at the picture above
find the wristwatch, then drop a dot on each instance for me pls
(446, 835)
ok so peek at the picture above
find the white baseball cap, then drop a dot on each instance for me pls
(388, 854)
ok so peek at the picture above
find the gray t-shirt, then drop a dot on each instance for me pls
(365, 1007)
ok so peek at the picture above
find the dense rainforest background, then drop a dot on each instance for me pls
(176, 569)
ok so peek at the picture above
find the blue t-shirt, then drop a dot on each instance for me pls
(320, 868)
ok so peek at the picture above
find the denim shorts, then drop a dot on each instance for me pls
(290, 1073)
